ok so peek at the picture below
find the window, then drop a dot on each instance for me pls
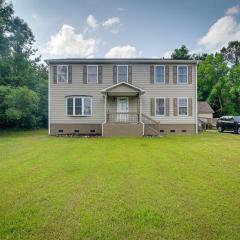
(183, 106)
(159, 74)
(62, 73)
(79, 106)
(70, 106)
(92, 74)
(182, 74)
(122, 73)
(160, 106)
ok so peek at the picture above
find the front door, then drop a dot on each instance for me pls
(122, 109)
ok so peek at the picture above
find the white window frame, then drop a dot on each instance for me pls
(155, 82)
(117, 71)
(58, 71)
(178, 74)
(160, 115)
(182, 115)
(87, 73)
(78, 115)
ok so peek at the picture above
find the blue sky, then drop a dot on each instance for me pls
(111, 28)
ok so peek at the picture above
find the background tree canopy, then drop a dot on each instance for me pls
(23, 79)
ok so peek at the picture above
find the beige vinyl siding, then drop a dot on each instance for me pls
(205, 115)
(140, 78)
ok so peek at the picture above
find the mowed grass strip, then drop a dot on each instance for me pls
(175, 187)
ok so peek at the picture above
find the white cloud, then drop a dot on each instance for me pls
(92, 22)
(120, 9)
(35, 16)
(126, 51)
(111, 22)
(233, 10)
(220, 33)
(68, 43)
(167, 54)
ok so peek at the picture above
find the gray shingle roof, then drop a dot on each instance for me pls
(204, 107)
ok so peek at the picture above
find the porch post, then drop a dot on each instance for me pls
(140, 106)
(105, 97)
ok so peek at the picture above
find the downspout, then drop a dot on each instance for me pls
(49, 109)
(140, 113)
(196, 99)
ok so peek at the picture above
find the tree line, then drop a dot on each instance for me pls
(24, 79)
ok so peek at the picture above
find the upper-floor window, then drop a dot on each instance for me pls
(160, 106)
(182, 73)
(183, 106)
(159, 74)
(122, 73)
(62, 73)
(79, 106)
(92, 74)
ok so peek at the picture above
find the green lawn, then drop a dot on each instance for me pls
(175, 187)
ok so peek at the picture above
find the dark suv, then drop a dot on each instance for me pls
(229, 123)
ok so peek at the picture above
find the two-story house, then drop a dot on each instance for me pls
(122, 97)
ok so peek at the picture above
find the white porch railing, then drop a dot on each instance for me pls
(123, 117)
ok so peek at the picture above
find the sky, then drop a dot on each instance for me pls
(129, 28)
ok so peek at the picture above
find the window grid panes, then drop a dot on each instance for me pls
(160, 106)
(70, 106)
(159, 74)
(183, 106)
(92, 74)
(122, 73)
(62, 74)
(87, 106)
(79, 106)
(182, 74)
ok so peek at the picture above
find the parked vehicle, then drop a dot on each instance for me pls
(229, 123)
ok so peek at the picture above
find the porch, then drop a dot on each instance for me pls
(123, 111)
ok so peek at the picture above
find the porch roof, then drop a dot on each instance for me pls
(122, 89)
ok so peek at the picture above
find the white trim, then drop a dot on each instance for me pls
(155, 110)
(105, 111)
(79, 115)
(196, 96)
(57, 74)
(97, 73)
(181, 115)
(118, 61)
(117, 71)
(160, 83)
(49, 100)
(177, 74)
(121, 83)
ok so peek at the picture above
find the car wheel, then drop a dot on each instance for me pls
(220, 129)
(238, 130)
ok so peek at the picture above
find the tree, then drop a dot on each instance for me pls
(22, 106)
(212, 74)
(231, 53)
(181, 53)
(23, 80)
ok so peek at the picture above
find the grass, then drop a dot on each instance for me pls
(175, 187)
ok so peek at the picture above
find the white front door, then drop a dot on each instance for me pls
(122, 107)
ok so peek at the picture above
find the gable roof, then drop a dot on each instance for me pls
(123, 84)
(204, 107)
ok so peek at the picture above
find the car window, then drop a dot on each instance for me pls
(237, 118)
